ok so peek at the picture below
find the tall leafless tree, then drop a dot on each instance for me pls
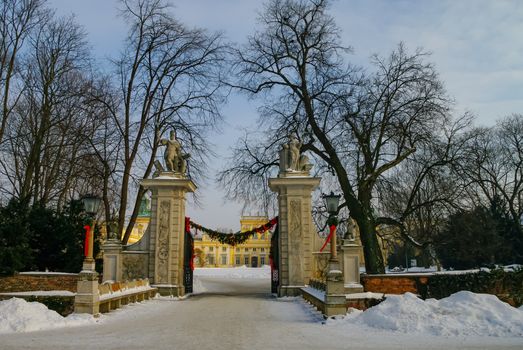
(168, 76)
(359, 126)
(17, 19)
(494, 166)
(45, 157)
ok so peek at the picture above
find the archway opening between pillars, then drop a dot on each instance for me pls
(165, 249)
(236, 239)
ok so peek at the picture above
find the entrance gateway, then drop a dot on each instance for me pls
(164, 254)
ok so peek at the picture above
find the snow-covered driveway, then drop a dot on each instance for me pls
(233, 317)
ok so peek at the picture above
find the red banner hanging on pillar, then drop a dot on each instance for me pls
(332, 228)
(187, 224)
(87, 229)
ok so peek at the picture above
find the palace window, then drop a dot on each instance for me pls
(210, 259)
(262, 249)
(237, 250)
(246, 260)
(224, 259)
(246, 249)
(262, 260)
(211, 249)
(238, 261)
(253, 249)
(224, 249)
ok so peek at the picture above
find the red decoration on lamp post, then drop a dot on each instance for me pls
(91, 205)
(87, 229)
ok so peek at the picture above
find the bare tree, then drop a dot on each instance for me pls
(359, 126)
(46, 159)
(17, 19)
(168, 77)
(417, 196)
(494, 166)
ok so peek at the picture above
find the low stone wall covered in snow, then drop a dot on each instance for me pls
(394, 284)
(41, 281)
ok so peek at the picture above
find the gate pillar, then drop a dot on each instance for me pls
(167, 231)
(294, 187)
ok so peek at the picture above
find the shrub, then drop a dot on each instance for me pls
(507, 285)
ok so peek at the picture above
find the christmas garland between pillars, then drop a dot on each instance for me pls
(230, 238)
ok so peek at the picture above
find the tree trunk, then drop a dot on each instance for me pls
(371, 248)
(369, 239)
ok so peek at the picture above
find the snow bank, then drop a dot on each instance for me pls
(461, 314)
(18, 315)
(241, 272)
(62, 293)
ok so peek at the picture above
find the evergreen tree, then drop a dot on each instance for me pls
(15, 253)
(480, 237)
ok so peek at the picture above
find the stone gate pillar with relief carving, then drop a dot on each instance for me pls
(294, 187)
(167, 231)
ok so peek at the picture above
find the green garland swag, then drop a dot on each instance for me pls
(234, 238)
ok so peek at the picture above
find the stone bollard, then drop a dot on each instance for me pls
(351, 266)
(335, 303)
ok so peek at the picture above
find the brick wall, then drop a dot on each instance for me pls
(391, 284)
(31, 282)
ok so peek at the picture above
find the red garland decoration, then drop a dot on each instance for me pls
(87, 228)
(329, 237)
(234, 238)
(187, 224)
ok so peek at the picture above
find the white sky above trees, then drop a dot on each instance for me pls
(476, 45)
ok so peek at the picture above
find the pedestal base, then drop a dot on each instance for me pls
(289, 291)
(335, 303)
(170, 290)
(353, 288)
(87, 299)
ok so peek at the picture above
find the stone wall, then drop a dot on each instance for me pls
(31, 282)
(394, 284)
(135, 265)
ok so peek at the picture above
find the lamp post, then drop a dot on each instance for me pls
(91, 205)
(87, 299)
(332, 200)
(334, 299)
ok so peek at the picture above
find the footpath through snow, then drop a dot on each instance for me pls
(259, 321)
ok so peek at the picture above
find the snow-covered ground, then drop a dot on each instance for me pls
(239, 280)
(18, 315)
(234, 310)
(461, 314)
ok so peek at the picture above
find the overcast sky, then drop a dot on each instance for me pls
(476, 45)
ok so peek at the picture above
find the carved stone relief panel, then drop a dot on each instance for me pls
(296, 241)
(134, 266)
(162, 248)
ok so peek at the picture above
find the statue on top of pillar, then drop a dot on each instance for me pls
(175, 160)
(291, 159)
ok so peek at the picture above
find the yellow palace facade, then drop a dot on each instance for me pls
(253, 253)
(208, 253)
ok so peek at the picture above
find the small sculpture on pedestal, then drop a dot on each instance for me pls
(175, 160)
(291, 159)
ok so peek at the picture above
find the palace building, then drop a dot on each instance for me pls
(209, 253)
(253, 253)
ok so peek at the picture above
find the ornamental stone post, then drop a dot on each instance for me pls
(351, 266)
(167, 231)
(112, 253)
(294, 187)
(87, 298)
